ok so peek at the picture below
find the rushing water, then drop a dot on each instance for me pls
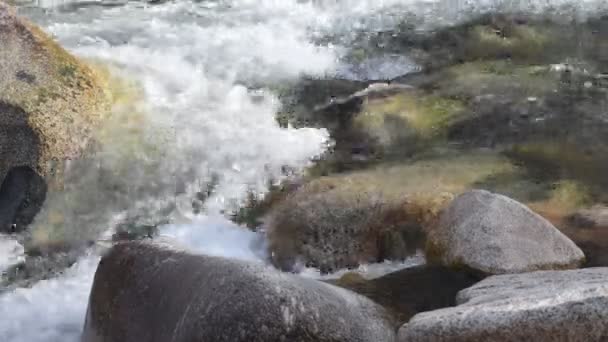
(193, 61)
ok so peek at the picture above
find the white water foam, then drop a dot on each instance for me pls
(11, 252)
(215, 236)
(51, 311)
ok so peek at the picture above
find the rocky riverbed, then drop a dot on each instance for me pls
(303, 171)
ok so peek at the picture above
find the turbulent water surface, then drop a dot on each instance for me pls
(205, 112)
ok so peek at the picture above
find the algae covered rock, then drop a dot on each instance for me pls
(386, 121)
(331, 229)
(533, 39)
(49, 105)
(493, 234)
(150, 292)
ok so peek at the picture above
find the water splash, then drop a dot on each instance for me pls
(193, 62)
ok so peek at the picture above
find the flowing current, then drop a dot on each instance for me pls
(206, 74)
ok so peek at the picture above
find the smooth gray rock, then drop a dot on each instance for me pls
(147, 292)
(539, 306)
(494, 234)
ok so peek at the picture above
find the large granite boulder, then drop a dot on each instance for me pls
(493, 234)
(538, 306)
(49, 105)
(149, 292)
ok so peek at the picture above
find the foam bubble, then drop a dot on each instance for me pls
(51, 311)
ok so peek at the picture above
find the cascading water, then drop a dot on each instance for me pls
(198, 118)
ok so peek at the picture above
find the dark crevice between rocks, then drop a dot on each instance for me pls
(22, 194)
(410, 291)
(22, 189)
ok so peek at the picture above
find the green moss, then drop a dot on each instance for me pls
(556, 158)
(46, 94)
(349, 279)
(408, 114)
(449, 171)
(571, 195)
(519, 42)
(577, 174)
(503, 78)
(68, 71)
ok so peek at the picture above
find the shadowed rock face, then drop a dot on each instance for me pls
(19, 144)
(145, 292)
(21, 196)
(412, 290)
(22, 190)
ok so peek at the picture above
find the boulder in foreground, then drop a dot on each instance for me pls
(539, 306)
(147, 292)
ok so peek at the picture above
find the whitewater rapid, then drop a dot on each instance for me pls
(201, 119)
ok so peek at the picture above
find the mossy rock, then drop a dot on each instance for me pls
(521, 38)
(504, 103)
(50, 102)
(407, 117)
(585, 166)
(387, 121)
(501, 78)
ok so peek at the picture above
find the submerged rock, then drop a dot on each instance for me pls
(35, 267)
(595, 217)
(386, 121)
(150, 292)
(494, 234)
(539, 306)
(588, 228)
(523, 38)
(49, 105)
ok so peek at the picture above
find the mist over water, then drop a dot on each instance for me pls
(195, 119)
